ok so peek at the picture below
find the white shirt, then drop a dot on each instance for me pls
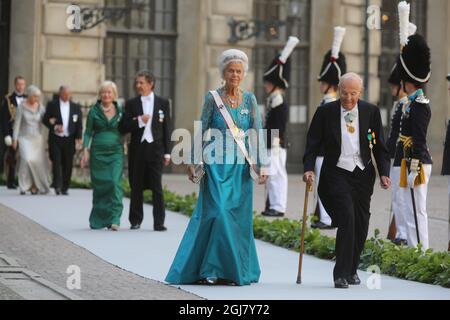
(64, 108)
(19, 100)
(350, 157)
(148, 105)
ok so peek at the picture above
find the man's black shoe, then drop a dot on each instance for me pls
(58, 192)
(160, 228)
(400, 242)
(65, 193)
(322, 226)
(354, 280)
(135, 227)
(341, 283)
(272, 213)
(12, 187)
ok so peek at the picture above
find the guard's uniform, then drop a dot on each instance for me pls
(276, 121)
(396, 116)
(412, 153)
(277, 183)
(333, 67)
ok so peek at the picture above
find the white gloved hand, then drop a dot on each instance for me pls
(411, 178)
(8, 141)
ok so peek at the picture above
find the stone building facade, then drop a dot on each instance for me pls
(181, 39)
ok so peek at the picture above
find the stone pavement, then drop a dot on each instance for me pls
(50, 255)
(437, 205)
(148, 255)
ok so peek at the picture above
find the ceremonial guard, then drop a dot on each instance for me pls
(412, 153)
(276, 81)
(333, 67)
(7, 117)
(397, 229)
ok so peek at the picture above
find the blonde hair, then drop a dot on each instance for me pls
(108, 85)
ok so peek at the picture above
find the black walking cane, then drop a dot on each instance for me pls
(308, 189)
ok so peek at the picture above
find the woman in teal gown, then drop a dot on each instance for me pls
(103, 149)
(218, 245)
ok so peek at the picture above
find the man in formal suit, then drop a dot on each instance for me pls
(147, 118)
(64, 120)
(351, 131)
(7, 117)
(276, 81)
(333, 67)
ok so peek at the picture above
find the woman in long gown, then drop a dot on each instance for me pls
(29, 138)
(218, 245)
(105, 157)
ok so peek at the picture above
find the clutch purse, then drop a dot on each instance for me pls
(199, 172)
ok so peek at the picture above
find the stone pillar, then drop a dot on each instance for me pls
(438, 13)
(74, 59)
(26, 19)
(325, 15)
(352, 15)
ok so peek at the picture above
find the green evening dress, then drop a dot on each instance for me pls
(106, 164)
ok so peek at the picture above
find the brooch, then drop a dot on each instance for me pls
(161, 116)
(245, 112)
(75, 118)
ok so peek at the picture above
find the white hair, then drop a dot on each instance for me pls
(33, 91)
(232, 55)
(351, 76)
(108, 85)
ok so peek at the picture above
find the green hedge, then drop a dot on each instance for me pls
(398, 261)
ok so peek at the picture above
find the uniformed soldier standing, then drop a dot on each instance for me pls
(399, 219)
(333, 67)
(276, 81)
(412, 153)
(397, 229)
(446, 166)
(7, 117)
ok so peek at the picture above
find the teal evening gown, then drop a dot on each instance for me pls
(219, 241)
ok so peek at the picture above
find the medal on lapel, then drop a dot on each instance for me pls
(75, 118)
(372, 139)
(161, 116)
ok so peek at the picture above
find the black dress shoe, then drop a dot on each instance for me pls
(135, 227)
(58, 191)
(65, 193)
(272, 213)
(12, 187)
(322, 226)
(160, 228)
(341, 283)
(400, 242)
(354, 280)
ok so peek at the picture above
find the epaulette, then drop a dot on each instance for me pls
(276, 100)
(422, 99)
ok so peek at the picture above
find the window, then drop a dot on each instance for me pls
(295, 18)
(145, 38)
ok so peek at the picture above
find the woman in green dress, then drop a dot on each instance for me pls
(103, 150)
